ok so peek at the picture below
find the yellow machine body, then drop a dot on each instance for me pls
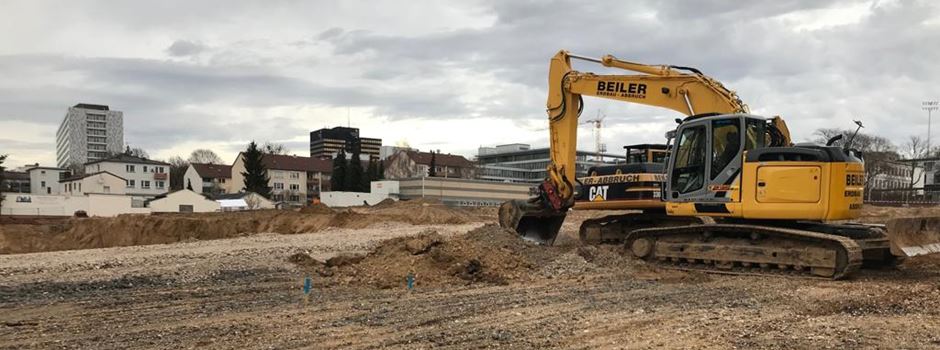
(819, 191)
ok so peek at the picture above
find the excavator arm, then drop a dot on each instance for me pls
(685, 90)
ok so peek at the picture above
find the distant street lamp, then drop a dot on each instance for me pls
(930, 106)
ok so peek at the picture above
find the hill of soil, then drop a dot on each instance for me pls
(129, 230)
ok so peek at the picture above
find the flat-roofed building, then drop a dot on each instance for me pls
(89, 132)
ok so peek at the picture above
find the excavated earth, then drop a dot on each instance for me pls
(236, 280)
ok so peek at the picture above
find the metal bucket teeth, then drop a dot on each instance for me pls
(530, 221)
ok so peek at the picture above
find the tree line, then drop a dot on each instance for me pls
(350, 176)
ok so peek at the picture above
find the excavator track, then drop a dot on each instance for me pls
(613, 229)
(748, 249)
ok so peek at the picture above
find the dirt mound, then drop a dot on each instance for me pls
(424, 211)
(318, 208)
(385, 203)
(128, 230)
(489, 255)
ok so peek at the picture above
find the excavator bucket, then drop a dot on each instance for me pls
(914, 236)
(531, 221)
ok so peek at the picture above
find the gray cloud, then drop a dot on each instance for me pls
(878, 66)
(185, 48)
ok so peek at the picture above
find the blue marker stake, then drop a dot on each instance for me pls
(411, 281)
(308, 286)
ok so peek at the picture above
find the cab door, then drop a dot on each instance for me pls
(706, 160)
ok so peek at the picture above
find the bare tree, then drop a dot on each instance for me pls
(274, 148)
(178, 167)
(137, 152)
(915, 147)
(204, 156)
(252, 201)
(878, 152)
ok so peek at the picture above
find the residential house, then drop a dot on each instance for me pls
(407, 164)
(145, 177)
(45, 180)
(183, 201)
(208, 178)
(102, 182)
(293, 179)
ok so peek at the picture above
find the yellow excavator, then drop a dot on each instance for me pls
(752, 201)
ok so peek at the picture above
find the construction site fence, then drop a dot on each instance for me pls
(902, 197)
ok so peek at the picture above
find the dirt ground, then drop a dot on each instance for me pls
(475, 286)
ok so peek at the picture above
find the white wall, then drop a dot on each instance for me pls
(171, 203)
(193, 178)
(388, 187)
(52, 205)
(351, 199)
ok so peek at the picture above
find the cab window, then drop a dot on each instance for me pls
(689, 167)
(659, 156)
(726, 144)
(755, 136)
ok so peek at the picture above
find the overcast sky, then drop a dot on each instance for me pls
(447, 75)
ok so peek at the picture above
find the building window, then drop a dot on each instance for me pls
(294, 187)
(145, 168)
(161, 184)
(159, 170)
(107, 189)
(185, 208)
(130, 184)
(278, 186)
(295, 198)
(294, 175)
(145, 184)
(129, 168)
(42, 184)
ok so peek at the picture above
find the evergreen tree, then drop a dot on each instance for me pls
(338, 178)
(2, 169)
(432, 172)
(381, 170)
(256, 175)
(373, 170)
(365, 181)
(354, 174)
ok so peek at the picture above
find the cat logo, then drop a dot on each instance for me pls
(598, 193)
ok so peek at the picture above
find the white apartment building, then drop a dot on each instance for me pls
(89, 133)
(291, 177)
(144, 177)
(45, 180)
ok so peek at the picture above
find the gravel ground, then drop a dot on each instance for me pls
(242, 293)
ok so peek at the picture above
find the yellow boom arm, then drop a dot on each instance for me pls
(685, 90)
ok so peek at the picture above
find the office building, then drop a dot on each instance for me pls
(326, 143)
(89, 133)
(519, 163)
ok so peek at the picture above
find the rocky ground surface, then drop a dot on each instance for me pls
(475, 287)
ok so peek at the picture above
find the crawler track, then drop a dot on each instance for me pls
(614, 229)
(748, 249)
